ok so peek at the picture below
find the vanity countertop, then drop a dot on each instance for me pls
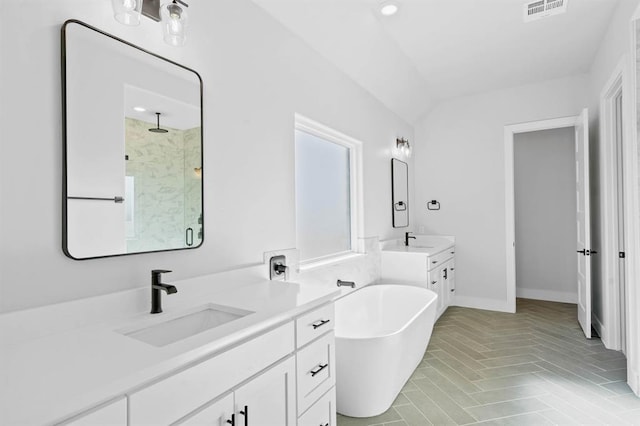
(47, 378)
(422, 244)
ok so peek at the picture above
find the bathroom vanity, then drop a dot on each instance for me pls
(428, 261)
(274, 365)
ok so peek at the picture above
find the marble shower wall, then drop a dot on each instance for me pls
(167, 190)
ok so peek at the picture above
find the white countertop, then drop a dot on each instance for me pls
(421, 244)
(48, 378)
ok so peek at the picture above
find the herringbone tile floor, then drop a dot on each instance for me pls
(530, 368)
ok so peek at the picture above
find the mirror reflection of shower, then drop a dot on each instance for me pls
(163, 151)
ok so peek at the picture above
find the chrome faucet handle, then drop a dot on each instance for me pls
(160, 271)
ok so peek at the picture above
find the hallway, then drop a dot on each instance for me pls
(531, 368)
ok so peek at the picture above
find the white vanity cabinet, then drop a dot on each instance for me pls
(187, 391)
(433, 268)
(315, 367)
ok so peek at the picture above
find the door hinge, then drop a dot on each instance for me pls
(621, 255)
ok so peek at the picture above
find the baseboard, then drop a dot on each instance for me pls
(549, 295)
(481, 303)
(601, 330)
(633, 380)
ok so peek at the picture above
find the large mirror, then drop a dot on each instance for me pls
(400, 193)
(133, 148)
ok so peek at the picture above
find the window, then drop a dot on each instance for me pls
(327, 192)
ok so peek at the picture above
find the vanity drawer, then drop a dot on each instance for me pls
(437, 259)
(172, 398)
(322, 413)
(314, 324)
(315, 370)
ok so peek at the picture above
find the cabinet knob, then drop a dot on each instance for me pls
(453, 252)
(434, 261)
(453, 269)
(452, 290)
(433, 282)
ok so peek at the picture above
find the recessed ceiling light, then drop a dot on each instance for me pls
(139, 109)
(388, 9)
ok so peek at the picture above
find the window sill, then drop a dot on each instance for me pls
(309, 265)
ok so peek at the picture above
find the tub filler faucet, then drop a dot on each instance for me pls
(341, 283)
(157, 287)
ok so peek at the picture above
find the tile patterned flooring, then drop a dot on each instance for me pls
(530, 368)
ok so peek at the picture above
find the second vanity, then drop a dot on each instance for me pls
(428, 261)
(272, 366)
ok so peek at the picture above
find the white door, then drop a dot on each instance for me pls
(582, 220)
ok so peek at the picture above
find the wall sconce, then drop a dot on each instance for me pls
(403, 147)
(172, 14)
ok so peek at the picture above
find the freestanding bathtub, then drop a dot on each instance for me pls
(382, 332)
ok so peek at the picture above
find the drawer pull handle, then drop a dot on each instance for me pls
(232, 422)
(453, 269)
(453, 252)
(433, 282)
(320, 368)
(320, 323)
(245, 413)
(452, 290)
(434, 261)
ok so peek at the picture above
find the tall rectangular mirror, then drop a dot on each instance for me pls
(132, 148)
(400, 193)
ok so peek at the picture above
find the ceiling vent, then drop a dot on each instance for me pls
(539, 9)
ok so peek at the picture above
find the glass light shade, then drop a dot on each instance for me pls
(403, 147)
(127, 12)
(174, 23)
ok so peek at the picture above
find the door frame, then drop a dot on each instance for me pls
(510, 220)
(610, 328)
(633, 241)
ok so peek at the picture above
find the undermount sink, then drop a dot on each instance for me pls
(172, 330)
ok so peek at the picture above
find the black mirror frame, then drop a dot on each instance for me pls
(63, 61)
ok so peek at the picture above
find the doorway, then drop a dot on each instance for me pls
(614, 155)
(583, 232)
(545, 215)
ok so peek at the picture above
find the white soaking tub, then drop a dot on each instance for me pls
(382, 332)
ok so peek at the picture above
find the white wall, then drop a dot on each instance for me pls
(545, 215)
(460, 162)
(256, 76)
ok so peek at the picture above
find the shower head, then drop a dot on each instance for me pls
(158, 129)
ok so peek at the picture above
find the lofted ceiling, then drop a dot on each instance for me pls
(433, 50)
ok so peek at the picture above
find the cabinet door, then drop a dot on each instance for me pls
(435, 285)
(114, 414)
(269, 399)
(452, 279)
(220, 413)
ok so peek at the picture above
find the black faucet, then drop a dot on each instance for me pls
(341, 283)
(407, 237)
(156, 287)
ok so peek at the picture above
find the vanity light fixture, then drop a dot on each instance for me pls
(403, 147)
(388, 8)
(172, 14)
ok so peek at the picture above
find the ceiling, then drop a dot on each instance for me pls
(433, 50)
